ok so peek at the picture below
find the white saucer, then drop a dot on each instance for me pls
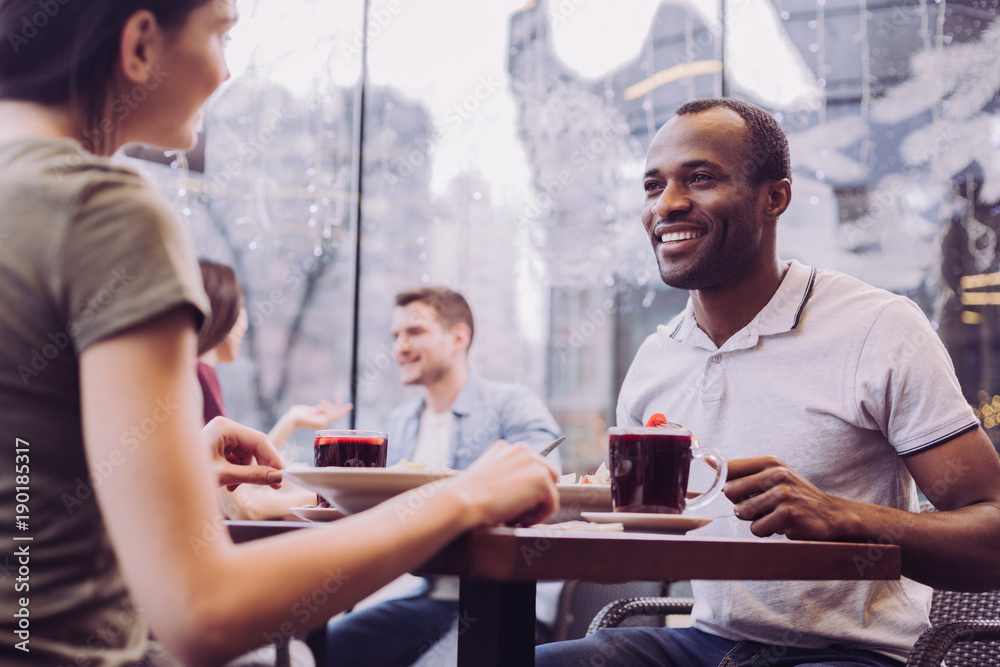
(313, 513)
(660, 523)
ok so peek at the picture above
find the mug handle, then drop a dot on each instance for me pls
(721, 470)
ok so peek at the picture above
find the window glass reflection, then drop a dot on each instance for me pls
(502, 153)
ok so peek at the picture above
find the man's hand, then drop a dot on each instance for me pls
(778, 500)
(241, 454)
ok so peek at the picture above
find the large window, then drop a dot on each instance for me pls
(498, 147)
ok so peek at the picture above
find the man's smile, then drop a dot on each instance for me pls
(673, 237)
(676, 236)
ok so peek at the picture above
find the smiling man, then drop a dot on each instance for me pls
(833, 400)
(460, 413)
(458, 416)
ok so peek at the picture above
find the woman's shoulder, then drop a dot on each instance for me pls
(59, 157)
(61, 173)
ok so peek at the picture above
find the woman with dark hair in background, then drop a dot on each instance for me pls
(220, 335)
(101, 303)
(219, 341)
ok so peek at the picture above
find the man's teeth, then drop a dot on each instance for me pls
(680, 236)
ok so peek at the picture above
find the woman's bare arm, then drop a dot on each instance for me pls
(208, 599)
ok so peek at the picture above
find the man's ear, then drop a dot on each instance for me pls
(779, 196)
(140, 40)
(463, 336)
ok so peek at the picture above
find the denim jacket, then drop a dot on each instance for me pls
(485, 411)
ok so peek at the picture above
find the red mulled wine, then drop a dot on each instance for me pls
(350, 449)
(649, 469)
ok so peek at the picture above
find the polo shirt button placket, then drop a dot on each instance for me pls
(712, 389)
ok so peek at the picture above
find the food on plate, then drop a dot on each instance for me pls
(403, 464)
(602, 477)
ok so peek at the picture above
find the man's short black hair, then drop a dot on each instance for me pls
(767, 146)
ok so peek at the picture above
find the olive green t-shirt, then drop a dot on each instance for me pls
(87, 250)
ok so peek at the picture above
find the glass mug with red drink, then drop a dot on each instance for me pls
(349, 449)
(650, 468)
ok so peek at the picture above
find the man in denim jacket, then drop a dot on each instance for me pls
(459, 415)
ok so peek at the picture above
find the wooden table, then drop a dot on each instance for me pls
(499, 567)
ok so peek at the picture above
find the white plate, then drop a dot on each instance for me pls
(313, 513)
(661, 523)
(354, 490)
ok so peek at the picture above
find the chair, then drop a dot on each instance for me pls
(959, 632)
(579, 601)
(965, 626)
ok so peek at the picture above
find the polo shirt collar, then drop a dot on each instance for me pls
(784, 311)
(781, 314)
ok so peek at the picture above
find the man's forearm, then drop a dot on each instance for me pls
(953, 550)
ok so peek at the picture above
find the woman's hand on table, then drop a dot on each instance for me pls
(241, 454)
(508, 484)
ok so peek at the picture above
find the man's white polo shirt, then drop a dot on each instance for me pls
(838, 379)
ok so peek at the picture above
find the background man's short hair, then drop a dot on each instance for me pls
(767, 157)
(450, 307)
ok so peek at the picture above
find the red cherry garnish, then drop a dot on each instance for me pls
(657, 420)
